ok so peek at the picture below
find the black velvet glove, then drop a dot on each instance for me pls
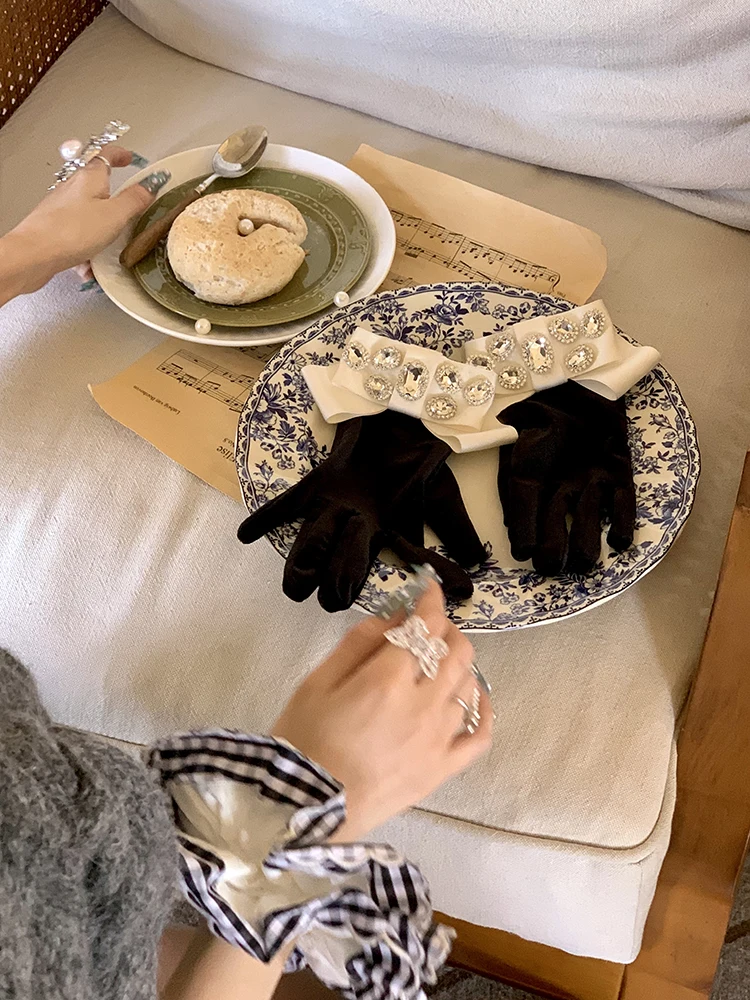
(383, 480)
(571, 459)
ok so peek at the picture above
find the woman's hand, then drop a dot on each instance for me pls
(385, 731)
(72, 224)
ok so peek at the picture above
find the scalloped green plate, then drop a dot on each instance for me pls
(338, 248)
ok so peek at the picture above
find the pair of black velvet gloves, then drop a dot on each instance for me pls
(386, 477)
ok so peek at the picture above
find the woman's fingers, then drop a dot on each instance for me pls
(357, 647)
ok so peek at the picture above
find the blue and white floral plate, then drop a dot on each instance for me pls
(282, 435)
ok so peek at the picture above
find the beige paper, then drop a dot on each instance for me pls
(186, 398)
(449, 230)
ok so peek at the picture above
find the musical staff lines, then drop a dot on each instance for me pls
(222, 384)
(475, 261)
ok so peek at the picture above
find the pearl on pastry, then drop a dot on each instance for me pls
(70, 149)
(246, 226)
(341, 299)
(203, 326)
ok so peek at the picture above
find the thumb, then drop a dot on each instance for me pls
(134, 200)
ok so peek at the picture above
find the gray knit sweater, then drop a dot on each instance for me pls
(88, 859)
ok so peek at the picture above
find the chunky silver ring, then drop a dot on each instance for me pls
(76, 154)
(414, 636)
(472, 715)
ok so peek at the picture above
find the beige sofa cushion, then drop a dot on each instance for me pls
(125, 591)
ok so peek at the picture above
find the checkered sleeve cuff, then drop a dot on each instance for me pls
(253, 818)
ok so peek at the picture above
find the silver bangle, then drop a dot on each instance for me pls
(76, 155)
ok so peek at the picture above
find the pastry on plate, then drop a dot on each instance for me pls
(209, 253)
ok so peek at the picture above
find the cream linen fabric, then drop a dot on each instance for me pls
(124, 590)
(652, 94)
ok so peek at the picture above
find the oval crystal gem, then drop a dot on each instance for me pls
(512, 377)
(387, 358)
(538, 354)
(564, 330)
(412, 380)
(356, 355)
(478, 391)
(379, 387)
(482, 361)
(593, 324)
(441, 407)
(447, 378)
(501, 347)
(580, 358)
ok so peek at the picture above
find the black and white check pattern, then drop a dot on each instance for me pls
(398, 947)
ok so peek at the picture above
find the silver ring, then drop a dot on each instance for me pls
(111, 133)
(98, 156)
(414, 636)
(472, 715)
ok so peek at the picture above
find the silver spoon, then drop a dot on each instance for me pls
(235, 157)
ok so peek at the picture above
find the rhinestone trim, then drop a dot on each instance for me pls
(379, 387)
(580, 358)
(356, 355)
(413, 380)
(538, 354)
(441, 407)
(482, 361)
(512, 377)
(387, 358)
(478, 391)
(448, 378)
(565, 330)
(593, 324)
(501, 346)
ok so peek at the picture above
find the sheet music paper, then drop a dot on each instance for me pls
(449, 230)
(186, 398)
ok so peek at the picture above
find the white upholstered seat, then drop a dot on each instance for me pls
(125, 591)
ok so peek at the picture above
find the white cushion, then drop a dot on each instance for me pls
(648, 95)
(125, 590)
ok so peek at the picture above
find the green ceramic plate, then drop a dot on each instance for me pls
(338, 247)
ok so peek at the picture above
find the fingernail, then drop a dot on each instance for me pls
(155, 181)
(87, 286)
(136, 160)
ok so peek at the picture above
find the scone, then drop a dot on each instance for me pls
(209, 255)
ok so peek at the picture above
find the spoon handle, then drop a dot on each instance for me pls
(145, 241)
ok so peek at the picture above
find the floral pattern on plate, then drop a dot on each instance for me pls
(281, 436)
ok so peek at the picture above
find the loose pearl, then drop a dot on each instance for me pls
(70, 149)
(202, 326)
(246, 227)
(341, 299)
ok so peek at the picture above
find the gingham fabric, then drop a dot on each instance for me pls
(359, 914)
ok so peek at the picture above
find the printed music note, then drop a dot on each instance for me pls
(220, 383)
(418, 239)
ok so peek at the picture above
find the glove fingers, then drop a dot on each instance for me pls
(309, 556)
(622, 529)
(349, 565)
(282, 509)
(446, 514)
(549, 555)
(522, 518)
(456, 582)
(586, 530)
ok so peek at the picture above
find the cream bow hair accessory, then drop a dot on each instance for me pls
(459, 402)
(580, 344)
